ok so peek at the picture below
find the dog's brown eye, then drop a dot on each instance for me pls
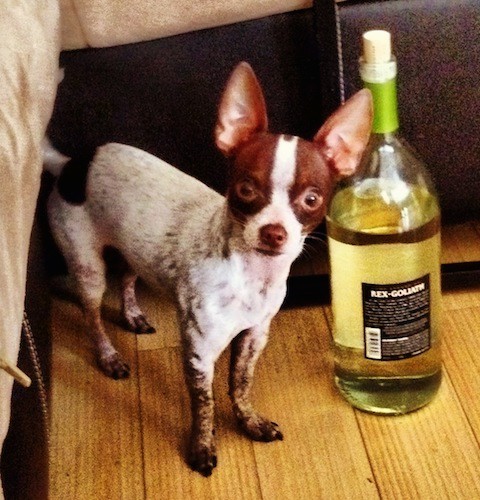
(312, 200)
(246, 191)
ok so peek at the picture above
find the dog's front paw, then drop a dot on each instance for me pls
(261, 429)
(113, 366)
(202, 458)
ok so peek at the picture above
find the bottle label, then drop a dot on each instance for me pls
(396, 319)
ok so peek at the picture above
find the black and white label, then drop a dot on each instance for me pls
(396, 319)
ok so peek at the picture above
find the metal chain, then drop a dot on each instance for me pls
(341, 75)
(38, 375)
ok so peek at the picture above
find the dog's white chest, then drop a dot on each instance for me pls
(235, 294)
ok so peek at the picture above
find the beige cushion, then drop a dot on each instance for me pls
(101, 23)
(29, 46)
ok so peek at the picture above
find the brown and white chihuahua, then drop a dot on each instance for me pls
(226, 259)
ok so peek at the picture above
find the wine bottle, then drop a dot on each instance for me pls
(383, 228)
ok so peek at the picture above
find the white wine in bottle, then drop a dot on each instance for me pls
(384, 244)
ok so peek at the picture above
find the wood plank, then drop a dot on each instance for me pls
(322, 455)
(460, 299)
(461, 345)
(460, 243)
(428, 454)
(95, 423)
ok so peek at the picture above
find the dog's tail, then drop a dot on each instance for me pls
(53, 160)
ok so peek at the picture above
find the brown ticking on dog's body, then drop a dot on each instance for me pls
(225, 259)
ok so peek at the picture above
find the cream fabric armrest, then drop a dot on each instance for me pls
(29, 49)
(102, 23)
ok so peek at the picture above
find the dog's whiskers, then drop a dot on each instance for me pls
(318, 237)
(238, 220)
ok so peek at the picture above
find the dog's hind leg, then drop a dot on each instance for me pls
(83, 253)
(134, 317)
(89, 274)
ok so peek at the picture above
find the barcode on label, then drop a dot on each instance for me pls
(373, 343)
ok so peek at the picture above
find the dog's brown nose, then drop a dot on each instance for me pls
(273, 235)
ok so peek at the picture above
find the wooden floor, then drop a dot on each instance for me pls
(127, 439)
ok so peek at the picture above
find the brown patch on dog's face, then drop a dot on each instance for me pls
(251, 184)
(250, 188)
(312, 187)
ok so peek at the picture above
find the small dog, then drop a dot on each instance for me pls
(226, 259)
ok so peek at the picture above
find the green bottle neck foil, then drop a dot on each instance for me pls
(381, 80)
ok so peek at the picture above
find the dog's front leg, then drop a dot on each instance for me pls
(246, 349)
(199, 371)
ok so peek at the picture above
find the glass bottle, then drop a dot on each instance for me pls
(383, 228)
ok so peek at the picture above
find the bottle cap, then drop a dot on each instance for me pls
(378, 70)
(377, 64)
(377, 46)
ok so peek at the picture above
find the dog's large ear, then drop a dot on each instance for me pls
(345, 134)
(242, 111)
